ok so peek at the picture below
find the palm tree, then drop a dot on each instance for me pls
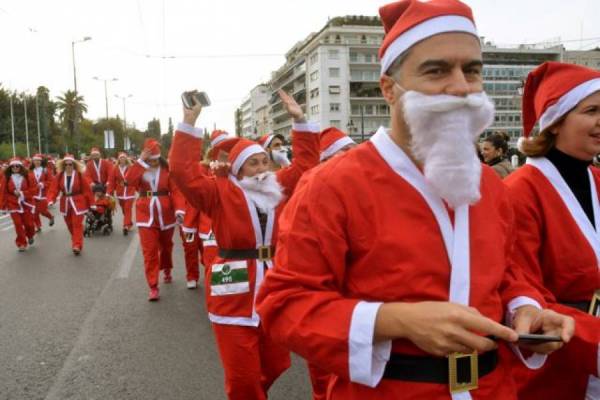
(71, 108)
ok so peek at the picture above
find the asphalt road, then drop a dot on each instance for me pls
(81, 328)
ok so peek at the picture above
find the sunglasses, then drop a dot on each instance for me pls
(68, 164)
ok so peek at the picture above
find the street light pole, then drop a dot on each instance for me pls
(37, 116)
(12, 124)
(26, 126)
(106, 91)
(362, 124)
(76, 131)
(124, 98)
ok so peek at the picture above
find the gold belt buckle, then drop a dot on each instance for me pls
(149, 193)
(264, 253)
(595, 304)
(456, 383)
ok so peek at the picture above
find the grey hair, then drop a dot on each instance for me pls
(393, 70)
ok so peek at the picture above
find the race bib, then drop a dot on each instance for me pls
(229, 278)
(595, 305)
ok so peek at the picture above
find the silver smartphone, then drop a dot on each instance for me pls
(191, 98)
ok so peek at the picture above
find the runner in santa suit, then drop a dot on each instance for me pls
(43, 178)
(558, 221)
(16, 198)
(158, 208)
(119, 187)
(97, 169)
(243, 208)
(76, 197)
(395, 256)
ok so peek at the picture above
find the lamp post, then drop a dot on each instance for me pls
(106, 90)
(76, 131)
(125, 137)
(26, 125)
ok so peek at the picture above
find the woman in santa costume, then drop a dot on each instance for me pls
(97, 169)
(43, 178)
(120, 188)
(16, 197)
(392, 266)
(158, 209)
(76, 197)
(243, 207)
(558, 220)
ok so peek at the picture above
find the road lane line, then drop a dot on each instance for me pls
(128, 257)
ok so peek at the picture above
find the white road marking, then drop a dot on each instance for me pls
(128, 257)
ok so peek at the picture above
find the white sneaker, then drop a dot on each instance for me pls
(192, 284)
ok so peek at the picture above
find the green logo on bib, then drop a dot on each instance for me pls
(226, 270)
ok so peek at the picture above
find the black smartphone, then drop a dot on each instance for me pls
(191, 98)
(538, 339)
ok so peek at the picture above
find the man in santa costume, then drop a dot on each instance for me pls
(97, 169)
(17, 188)
(120, 188)
(43, 178)
(274, 144)
(558, 221)
(76, 197)
(158, 209)
(392, 267)
(244, 207)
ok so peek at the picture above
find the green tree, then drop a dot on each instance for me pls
(153, 130)
(71, 108)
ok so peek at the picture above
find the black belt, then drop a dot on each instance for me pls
(70, 194)
(263, 253)
(150, 194)
(580, 305)
(438, 370)
(125, 184)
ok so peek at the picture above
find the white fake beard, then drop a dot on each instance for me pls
(444, 131)
(264, 190)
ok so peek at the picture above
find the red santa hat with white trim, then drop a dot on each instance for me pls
(15, 161)
(95, 150)
(153, 147)
(37, 156)
(243, 149)
(217, 137)
(68, 157)
(225, 146)
(407, 22)
(552, 90)
(332, 141)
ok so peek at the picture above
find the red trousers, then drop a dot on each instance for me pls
(24, 227)
(75, 224)
(126, 207)
(319, 380)
(250, 359)
(41, 208)
(157, 247)
(191, 250)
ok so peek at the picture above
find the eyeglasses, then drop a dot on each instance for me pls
(68, 164)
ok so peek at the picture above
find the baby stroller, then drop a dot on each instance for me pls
(99, 218)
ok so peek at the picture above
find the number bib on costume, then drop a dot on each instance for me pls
(595, 304)
(229, 278)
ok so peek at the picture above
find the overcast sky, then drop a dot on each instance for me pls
(224, 47)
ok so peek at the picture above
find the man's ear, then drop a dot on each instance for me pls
(387, 85)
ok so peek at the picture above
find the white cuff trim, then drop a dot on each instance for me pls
(190, 130)
(367, 360)
(536, 360)
(312, 127)
(143, 163)
(188, 230)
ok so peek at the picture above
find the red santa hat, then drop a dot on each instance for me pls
(153, 147)
(552, 90)
(95, 150)
(332, 141)
(38, 157)
(68, 157)
(51, 160)
(266, 140)
(225, 145)
(15, 161)
(217, 137)
(407, 22)
(241, 151)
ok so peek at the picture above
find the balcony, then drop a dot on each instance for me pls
(361, 90)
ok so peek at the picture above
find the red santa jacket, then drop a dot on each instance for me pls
(118, 185)
(99, 173)
(562, 264)
(159, 197)
(43, 178)
(77, 196)
(18, 204)
(235, 219)
(359, 233)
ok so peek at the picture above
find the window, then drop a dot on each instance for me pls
(334, 72)
(383, 109)
(314, 110)
(338, 39)
(334, 107)
(314, 76)
(334, 54)
(314, 58)
(336, 123)
(355, 109)
(314, 93)
(334, 89)
(363, 39)
(353, 56)
(369, 109)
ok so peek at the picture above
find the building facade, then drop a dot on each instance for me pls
(254, 111)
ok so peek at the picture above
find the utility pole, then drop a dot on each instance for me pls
(124, 98)
(37, 115)
(12, 124)
(26, 125)
(75, 126)
(105, 90)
